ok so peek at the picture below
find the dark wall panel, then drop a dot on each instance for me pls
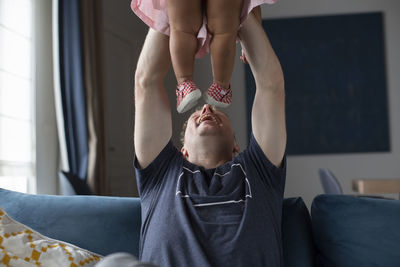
(336, 96)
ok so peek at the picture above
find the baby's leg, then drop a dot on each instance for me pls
(185, 19)
(223, 19)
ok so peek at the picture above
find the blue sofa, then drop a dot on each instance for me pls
(343, 231)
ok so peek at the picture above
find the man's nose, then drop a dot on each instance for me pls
(207, 109)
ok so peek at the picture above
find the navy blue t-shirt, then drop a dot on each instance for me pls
(228, 216)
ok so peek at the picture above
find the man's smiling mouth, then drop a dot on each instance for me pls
(206, 117)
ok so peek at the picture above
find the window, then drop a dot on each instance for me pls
(17, 141)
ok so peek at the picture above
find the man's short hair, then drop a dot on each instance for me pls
(183, 132)
(184, 126)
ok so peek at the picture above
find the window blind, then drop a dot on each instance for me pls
(17, 142)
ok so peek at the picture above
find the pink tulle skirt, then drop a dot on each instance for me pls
(154, 14)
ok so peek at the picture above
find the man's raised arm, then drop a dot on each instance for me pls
(153, 125)
(268, 112)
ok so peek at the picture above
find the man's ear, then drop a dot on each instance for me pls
(236, 148)
(184, 152)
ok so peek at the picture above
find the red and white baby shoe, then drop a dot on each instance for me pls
(218, 96)
(187, 95)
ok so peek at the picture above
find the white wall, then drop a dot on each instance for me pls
(302, 177)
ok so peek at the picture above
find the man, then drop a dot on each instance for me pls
(208, 204)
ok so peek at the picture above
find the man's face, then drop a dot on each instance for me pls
(209, 125)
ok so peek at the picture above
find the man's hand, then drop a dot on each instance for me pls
(153, 124)
(268, 113)
(256, 12)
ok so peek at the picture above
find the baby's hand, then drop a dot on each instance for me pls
(243, 58)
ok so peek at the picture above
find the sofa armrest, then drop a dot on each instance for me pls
(354, 231)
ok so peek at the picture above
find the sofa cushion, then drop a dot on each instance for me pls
(356, 231)
(298, 246)
(100, 224)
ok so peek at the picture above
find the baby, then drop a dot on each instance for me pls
(197, 27)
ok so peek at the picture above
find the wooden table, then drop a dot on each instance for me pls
(376, 186)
